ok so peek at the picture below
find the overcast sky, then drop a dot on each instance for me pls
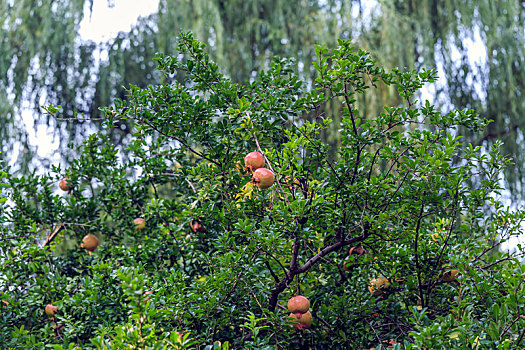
(105, 21)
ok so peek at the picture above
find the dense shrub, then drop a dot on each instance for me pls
(423, 206)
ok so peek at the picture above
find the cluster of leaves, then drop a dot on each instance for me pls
(398, 187)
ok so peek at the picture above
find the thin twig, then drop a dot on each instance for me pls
(377, 336)
(520, 338)
(191, 185)
(179, 140)
(275, 277)
(70, 119)
(326, 324)
(270, 166)
(416, 241)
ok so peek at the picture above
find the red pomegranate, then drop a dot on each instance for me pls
(253, 160)
(263, 178)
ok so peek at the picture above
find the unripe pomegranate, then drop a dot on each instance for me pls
(378, 285)
(51, 310)
(357, 250)
(302, 322)
(263, 178)
(197, 227)
(254, 160)
(451, 275)
(140, 223)
(64, 186)
(90, 243)
(147, 296)
(298, 305)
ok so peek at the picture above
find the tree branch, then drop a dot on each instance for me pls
(52, 235)
(283, 284)
(416, 242)
(497, 135)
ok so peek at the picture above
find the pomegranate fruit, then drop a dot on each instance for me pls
(197, 227)
(140, 223)
(298, 305)
(90, 243)
(254, 160)
(147, 296)
(357, 250)
(451, 275)
(263, 178)
(302, 322)
(64, 186)
(378, 285)
(51, 310)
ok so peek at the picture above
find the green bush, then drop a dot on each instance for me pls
(402, 185)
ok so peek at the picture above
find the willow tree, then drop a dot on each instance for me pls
(443, 33)
(42, 60)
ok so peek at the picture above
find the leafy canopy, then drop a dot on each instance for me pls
(398, 187)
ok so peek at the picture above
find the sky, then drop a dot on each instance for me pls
(106, 21)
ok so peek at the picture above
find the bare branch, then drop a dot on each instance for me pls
(52, 235)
